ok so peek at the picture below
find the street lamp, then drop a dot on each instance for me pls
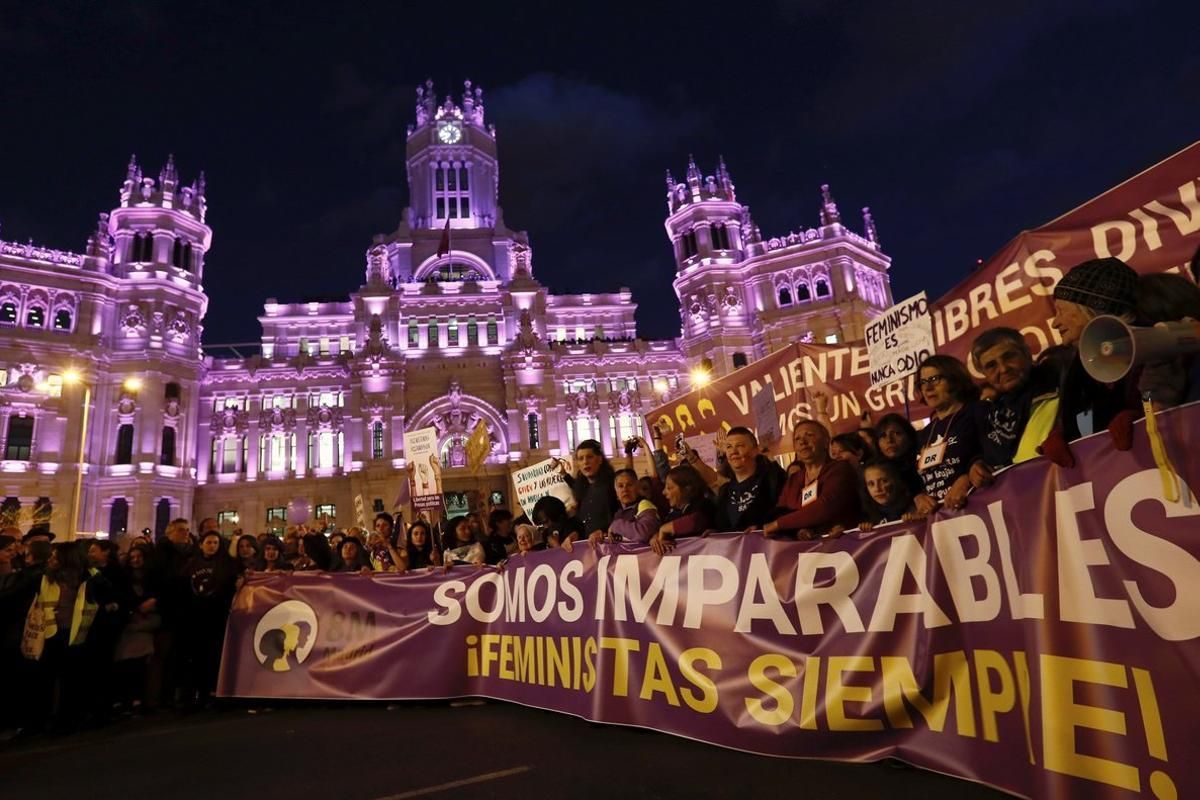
(74, 377)
(702, 375)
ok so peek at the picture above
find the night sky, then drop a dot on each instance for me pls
(959, 125)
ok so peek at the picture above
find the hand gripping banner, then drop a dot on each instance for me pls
(1042, 641)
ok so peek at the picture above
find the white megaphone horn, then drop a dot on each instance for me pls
(1110, 347)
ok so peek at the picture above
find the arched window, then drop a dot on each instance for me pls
(118, 518)
(171, 391)
(62, 320)
(167, 456)
(35, 317)
(377, 439)
(434, 338)
(803, 295)
(720, 236)
(143, 248)
(8, 313)
(162, 517)
(493, 332)
(739, 360)
(822, 288)
(452, 333)
(688, 242)
(414, 335)
(275, 452)
(124, 445)
(785, 296)
(472, 332)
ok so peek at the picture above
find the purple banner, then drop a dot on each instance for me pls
(1043, 640)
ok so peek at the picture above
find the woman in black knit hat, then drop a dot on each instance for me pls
(1091, 289)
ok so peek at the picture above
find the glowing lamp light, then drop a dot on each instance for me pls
(702, 374)
(133, 384)
(660, 386)
(72, 376)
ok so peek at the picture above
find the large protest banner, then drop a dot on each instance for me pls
(1043, 641)
(1151, 221)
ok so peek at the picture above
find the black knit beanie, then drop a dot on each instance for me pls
(1105, 285)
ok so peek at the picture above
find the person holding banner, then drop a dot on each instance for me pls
(1021, 414)
(691, 511)
(949, 444)
(820, 496)
(636, 520)
(419, 551)
(558, 528)
(747, 500)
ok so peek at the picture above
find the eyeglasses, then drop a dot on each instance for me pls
(932, 380)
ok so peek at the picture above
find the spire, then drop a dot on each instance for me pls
(693, 173)
(200, 185)
(724, 179)
(869, 227)
(168, 173)
(670, 182)
(132, 172)
(829, 209)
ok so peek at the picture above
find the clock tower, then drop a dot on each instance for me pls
(452, 169)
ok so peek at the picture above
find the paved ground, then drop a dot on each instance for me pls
(371, 753)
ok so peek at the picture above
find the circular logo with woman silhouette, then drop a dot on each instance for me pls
(285, 635)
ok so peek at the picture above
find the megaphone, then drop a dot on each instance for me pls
(1109, 347)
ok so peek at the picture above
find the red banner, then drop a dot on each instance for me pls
(1151, 221)
(1045, 640)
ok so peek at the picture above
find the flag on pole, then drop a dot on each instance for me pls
(444, 245)
(478, 447)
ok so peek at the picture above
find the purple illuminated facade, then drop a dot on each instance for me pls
(316, 416)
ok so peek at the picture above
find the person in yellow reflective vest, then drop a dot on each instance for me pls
(55, 630)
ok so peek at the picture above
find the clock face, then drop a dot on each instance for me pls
(449, 134)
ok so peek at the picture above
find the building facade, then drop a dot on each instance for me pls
(449, 327)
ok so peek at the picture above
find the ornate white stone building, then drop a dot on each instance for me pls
(449, 327)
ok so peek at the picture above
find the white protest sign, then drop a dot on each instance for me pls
(705, 447)
(543, 478)
(420, 449)
(766, 416)
(899, 339)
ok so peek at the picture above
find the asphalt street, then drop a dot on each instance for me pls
(373, 752)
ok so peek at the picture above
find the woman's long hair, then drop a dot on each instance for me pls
(316, 547)
(604, 476)
(70, 566)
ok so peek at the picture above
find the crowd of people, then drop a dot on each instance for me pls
(90, 628)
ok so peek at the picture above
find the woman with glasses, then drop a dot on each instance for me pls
(950, 442)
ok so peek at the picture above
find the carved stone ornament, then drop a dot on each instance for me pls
(126, 405)
(625, 401)
(532, 403)
(179, 329)
(583, 404)
(229, 421)
(325, 418)
(277, 420)
(171, 409)
(133, 323)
